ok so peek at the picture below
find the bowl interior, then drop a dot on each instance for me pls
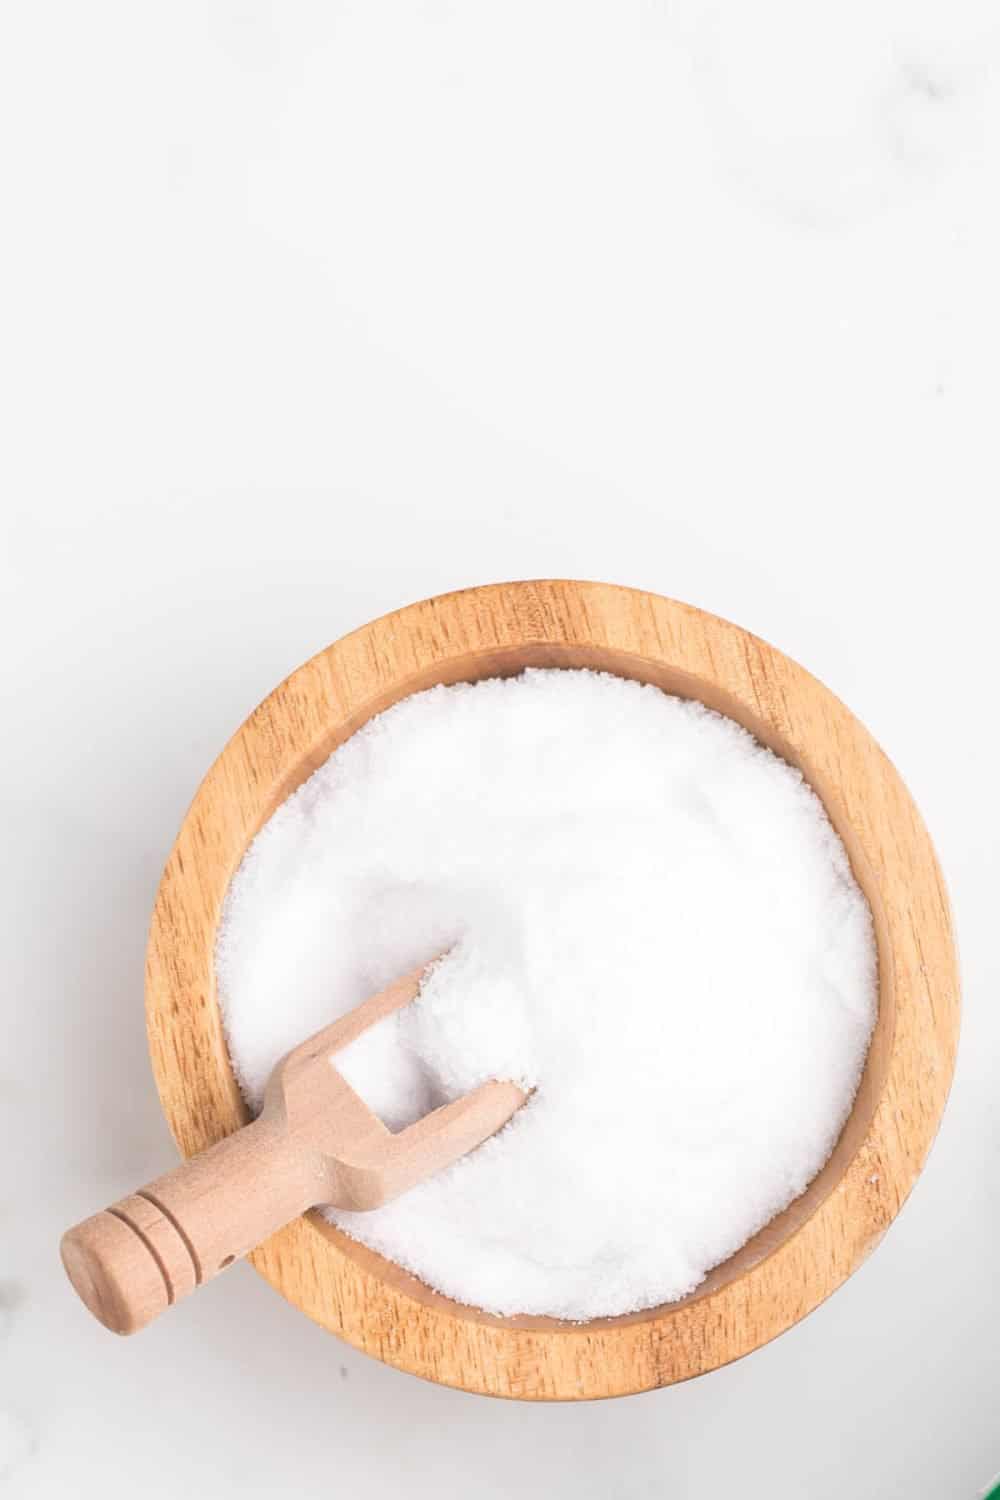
(508, 662)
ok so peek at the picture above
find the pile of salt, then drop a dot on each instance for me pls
(649, 921)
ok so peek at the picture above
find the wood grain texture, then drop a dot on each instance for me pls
(799, 1258)
(315, 1142)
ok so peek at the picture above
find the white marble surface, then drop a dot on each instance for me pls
(312, 310)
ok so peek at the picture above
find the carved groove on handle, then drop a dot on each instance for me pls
(124, 1218)
(182, 1234)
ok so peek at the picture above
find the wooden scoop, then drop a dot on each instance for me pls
(315, 1142)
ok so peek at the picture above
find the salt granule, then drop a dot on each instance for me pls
(647, 919)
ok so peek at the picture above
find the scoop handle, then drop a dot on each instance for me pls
(140, 1256)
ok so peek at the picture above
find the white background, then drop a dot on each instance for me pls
(313, 310)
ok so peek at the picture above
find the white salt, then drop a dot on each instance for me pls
(649, 921)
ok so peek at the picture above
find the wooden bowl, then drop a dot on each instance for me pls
(801, 1256)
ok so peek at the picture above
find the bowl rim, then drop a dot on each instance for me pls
(806, 1253)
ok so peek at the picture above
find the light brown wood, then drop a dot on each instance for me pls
(314, 1142)
(805, 1253)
